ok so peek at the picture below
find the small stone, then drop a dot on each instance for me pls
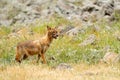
(63, 66)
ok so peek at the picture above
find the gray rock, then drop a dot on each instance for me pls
(90, 8)
(90, 40)
(107, 6)
(87, 24)
(63, 66)
(66, 29)
(5, 22)
(111, 57)
(107, 48)
(74, 31)
(85, 16)
(117, 6)
(87, 2)
(102, 2)
(63, 9)
(93, 11)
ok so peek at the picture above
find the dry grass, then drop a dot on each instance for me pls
(43, 72)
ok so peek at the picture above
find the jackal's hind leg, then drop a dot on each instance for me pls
(38, 58)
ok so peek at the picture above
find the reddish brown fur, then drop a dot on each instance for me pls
(39, 47)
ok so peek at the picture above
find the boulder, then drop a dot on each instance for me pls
(111, 57)
(89, 40)
(74, 31)
(107, 6)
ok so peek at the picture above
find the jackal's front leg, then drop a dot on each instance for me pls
(43, 58)
(38, 58)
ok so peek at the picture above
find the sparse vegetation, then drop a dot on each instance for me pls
(64, 50)
(72, 52)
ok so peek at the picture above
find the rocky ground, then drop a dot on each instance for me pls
(28, 11)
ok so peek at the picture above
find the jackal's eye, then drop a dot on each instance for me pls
(55, 32)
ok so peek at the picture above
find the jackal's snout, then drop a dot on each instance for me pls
(55, 35)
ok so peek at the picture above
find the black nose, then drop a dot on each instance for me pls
(57, 35)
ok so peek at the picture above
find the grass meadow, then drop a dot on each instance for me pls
(65, 49)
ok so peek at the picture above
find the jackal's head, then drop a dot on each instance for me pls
(52, 32)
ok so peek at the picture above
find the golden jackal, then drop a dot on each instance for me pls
(39, 47)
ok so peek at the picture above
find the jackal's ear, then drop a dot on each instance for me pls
(48, 28)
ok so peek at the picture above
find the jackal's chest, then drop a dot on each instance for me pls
(44, 48)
